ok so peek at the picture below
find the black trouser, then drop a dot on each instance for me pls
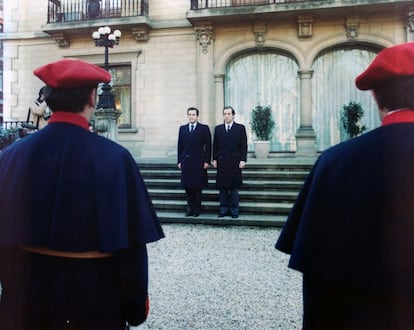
(193, 200)
(229, 201)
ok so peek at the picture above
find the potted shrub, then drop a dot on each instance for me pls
(352, 114)
(262, 124)
(7, 137)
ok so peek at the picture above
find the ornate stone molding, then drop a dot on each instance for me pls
(62, 39)
(260, 31)
(352, 27)
(140, 34)
(204, 36)
(305, 26)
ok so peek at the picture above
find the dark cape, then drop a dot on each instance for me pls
(67, 189)
(353, 221)
(229, 148)
(55, 193)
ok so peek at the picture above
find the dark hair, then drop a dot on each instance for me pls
(231, 108)
(396, 93)
(68, 99)
(192, 108)
(43, 91)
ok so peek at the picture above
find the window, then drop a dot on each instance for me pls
(121, 87)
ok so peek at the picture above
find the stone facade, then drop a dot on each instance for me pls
(179, 59)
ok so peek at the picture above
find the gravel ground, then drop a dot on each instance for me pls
(227, 278)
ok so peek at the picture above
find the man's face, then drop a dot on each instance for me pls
(228, 116)
(192, 116)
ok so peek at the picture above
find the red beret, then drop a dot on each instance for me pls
(391, 62)
(69, 73)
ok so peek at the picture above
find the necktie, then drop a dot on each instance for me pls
(228, 128)
(191, 128)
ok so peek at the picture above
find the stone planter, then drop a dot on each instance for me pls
(261, 149)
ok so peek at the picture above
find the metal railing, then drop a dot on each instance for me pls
(62, 11)
(205, 4)
(8, 124)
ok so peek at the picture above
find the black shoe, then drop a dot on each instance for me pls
(222, 215)
(234, 216)
(189, 214)
(196, 214)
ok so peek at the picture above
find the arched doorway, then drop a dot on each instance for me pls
(333, 86)
(265, 78)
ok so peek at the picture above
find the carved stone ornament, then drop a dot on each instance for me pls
(204, 37)
(140, 34)
(352, 27)
(260, 34)
(305, 27)
(61, 39)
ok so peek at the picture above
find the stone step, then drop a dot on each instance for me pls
(248, 175)
(260, 185)
(212, 195)
(257, 208)
(212, 219)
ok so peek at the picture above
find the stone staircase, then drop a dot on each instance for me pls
(269, 191)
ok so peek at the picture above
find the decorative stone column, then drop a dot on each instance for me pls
(106, 123)
(410, 25)
(217, 117)
(204, 36)
(305, 136)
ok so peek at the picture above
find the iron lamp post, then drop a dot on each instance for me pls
(104, 38)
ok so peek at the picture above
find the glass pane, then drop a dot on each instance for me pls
(265, 78)
(333, 86)
(121, 87)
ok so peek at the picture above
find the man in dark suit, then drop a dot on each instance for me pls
(229, 157)
(351, 230)
(194, 156)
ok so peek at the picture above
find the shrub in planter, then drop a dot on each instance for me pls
(352, 114)
(7, 137)
(262, 122)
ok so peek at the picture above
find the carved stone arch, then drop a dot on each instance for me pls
(223, 58)
(363, 40)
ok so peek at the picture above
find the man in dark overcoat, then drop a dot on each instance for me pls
(75, 218)
(193, 158)
(229, 157)
(351, 230)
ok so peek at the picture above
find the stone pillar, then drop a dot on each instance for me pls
(305, 136)
(217, 117)
(410, 24)
(106, 123)
(204, 36)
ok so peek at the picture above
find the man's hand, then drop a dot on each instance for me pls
(242, 164)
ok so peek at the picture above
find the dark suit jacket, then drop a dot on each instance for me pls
(228, 150)
(194, 149)
(353, 222)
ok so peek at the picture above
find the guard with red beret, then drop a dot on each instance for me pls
(75, 218)
(351, 230)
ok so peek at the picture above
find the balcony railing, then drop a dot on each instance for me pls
(62, 11)
(205, 4)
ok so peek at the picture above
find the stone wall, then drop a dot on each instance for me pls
(180, 65)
